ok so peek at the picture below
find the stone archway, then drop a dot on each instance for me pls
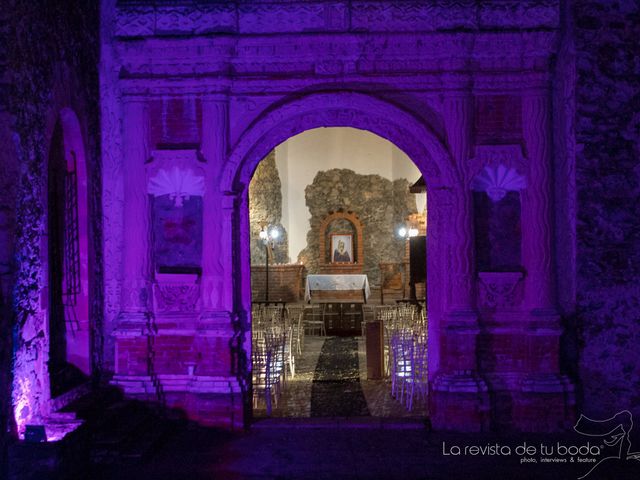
(444, 188)
(34, 395)
(66, 260)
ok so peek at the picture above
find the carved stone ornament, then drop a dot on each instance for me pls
(499, 289)
(497, 180)
(179, 184)
(176, 293)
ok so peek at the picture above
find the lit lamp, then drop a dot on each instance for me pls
(268, 235)
(408, 232)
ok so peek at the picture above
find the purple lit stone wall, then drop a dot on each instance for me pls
(458, 86)
(608, 189)
(412, 72)
(51, 64)
(8, 181)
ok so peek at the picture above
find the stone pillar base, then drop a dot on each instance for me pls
(459, 402)
(139, 387)
(132, 324)
(214, 401)
(544, 403)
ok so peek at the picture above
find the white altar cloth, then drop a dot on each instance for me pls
(337, 282)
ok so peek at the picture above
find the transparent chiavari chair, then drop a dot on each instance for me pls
(257, 314)
(387, 314)
(420, 365)
(402, 367)
(278, 338)
(296, 315)
(274, 314)
(406, 313)
(266, 381)
(314, 320)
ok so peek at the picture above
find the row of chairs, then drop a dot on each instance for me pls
(269, 366)
(405, 348)
(278, 334)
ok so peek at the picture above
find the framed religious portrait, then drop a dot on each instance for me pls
(341, 248)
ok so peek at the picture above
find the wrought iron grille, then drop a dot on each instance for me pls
(71, 250)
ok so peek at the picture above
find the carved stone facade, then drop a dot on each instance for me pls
(41, 90)
(411, 72)
(213, 87)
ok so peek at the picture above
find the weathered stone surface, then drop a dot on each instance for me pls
(387, 73)
(265, 208)
(382, 205)
(608, 188)
(41, 81)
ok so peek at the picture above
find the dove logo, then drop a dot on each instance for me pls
(614, 433)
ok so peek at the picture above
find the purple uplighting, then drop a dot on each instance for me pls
(150, 149)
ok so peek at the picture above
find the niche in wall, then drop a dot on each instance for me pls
(498, 232)
(177, 233)
(176, 184)
(497, 218)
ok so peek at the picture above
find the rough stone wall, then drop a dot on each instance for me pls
(8, 181)
(265, 208)
(382, 205)
(52, 63)
(608, 187)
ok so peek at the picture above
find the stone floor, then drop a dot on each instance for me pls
(296, 399)
(286, 452)
(126, 440)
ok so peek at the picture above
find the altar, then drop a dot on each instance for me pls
(341, 298)
(338, 288)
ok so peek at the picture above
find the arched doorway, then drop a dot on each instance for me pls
(413, 134)
(339, 200)
(67, 261)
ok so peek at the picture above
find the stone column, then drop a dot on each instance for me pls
(461, 315)
(136, 238)
(214, 146)
(459, 395)
(544, 399)
(536, 208)
(458, 117)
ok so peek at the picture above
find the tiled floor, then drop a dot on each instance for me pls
(296, 398)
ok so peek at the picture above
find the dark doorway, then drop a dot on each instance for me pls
(63, 251)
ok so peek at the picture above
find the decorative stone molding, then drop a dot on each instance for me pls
(135, 294)
(500, 289)
(168, 159)
(179, 184)
(537, 238)
(409, 53)
(509, 156)
(357, 110)
(325, 16)
(176, 293)
(497, 180)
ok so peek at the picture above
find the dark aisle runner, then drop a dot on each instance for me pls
(336, 390)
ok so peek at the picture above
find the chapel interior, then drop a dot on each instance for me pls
(352, 184)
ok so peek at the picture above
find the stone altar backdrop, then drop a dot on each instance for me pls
(381, 205)
(265, 208)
